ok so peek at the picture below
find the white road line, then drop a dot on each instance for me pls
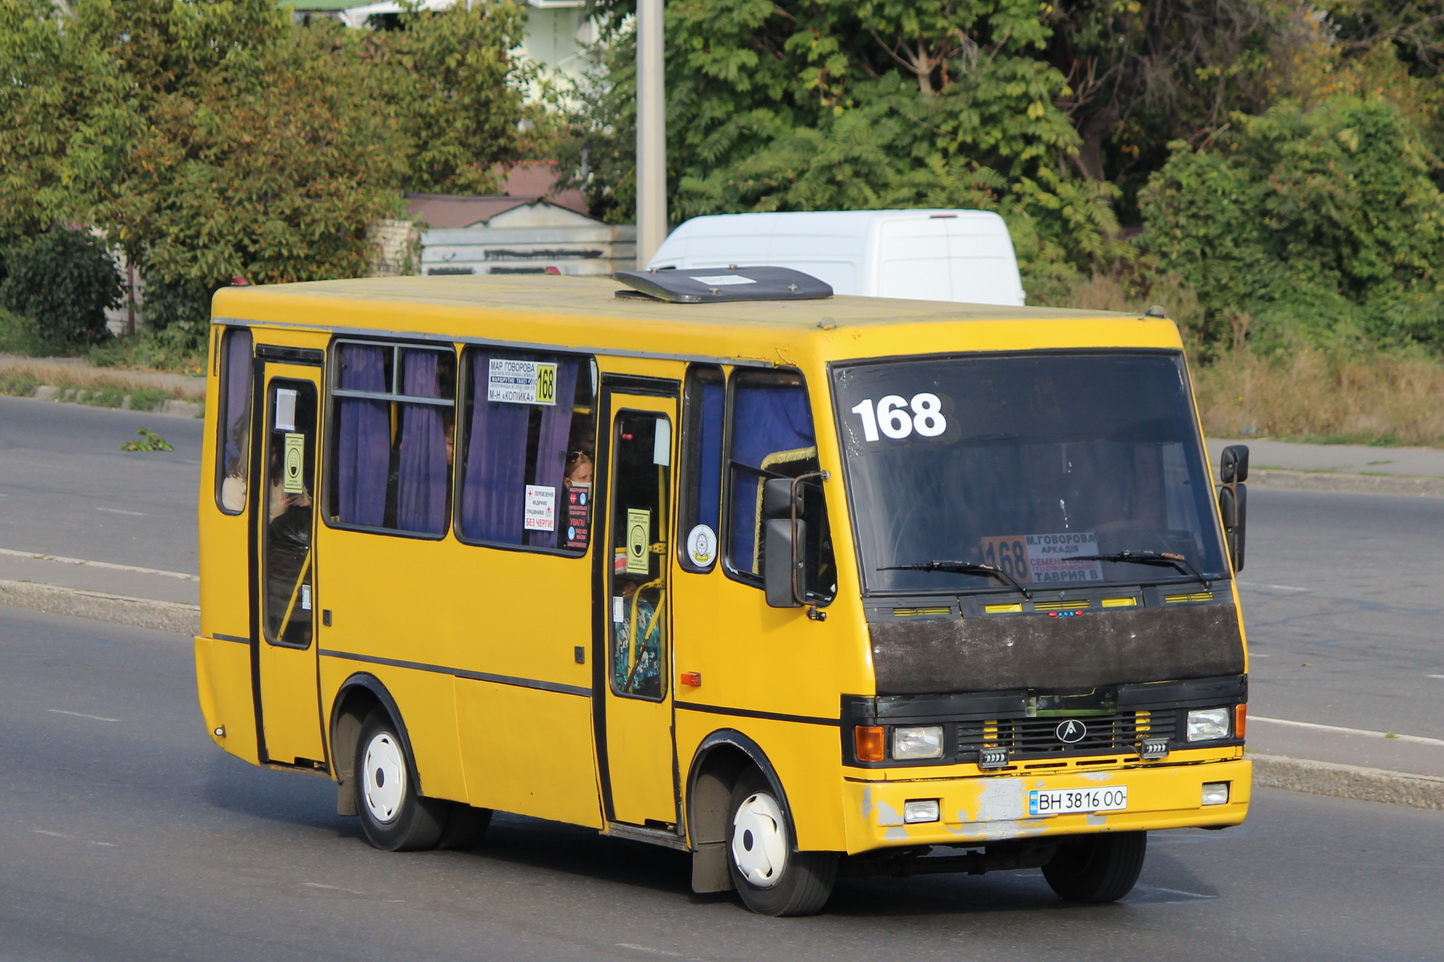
(73, 838)
(329, 888)
(36, 556)
(133, 514)
(1414, 739)
(1254, 584)
(76, 714)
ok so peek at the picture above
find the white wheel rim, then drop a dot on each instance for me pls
(759, 840)
(383, 777)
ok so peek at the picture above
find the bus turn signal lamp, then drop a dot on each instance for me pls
(1240, 716)
(870, 742)
(692, 679)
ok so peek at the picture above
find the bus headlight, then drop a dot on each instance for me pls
(925, 741)
(1206, 724)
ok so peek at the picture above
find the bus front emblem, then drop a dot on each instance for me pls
(1070, 732)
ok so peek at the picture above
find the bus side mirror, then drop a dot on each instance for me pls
(1233, 466)
(1233, 500)
(785, 532)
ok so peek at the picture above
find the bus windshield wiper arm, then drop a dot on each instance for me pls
(1148, 558)
(964, 567)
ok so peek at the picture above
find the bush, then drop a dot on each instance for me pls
(63, 281)
(177, 314)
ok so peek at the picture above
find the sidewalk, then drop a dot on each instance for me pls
(1369, 766)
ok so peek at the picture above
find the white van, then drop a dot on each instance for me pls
(940, 255)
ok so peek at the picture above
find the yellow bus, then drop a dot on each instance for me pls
(712, 560)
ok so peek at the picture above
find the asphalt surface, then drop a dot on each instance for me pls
(1321, 759)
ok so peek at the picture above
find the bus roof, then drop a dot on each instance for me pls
(586, 314)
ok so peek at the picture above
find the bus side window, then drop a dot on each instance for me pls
(701, 508)
(771, 436)
(392, 437)
(233, 447)
(527, 419)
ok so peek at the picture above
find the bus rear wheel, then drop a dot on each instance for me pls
(393, 815)
(772, 878)
(1097, 868)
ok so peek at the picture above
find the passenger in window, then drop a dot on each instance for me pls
(233, 486)
(280, 500)
(579, 469)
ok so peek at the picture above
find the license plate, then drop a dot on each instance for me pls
(1065, 801)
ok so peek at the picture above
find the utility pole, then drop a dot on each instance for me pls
(651, 132)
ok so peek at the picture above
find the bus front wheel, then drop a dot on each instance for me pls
(772, 878)
(1097, 868)
(394, 816)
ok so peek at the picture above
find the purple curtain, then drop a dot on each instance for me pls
(422, 473)
(238, 382)
(551, 452)
(765, 419)
(363, 438)
(493, 483)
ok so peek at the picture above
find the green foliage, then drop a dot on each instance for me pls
(840, 105)
(449, 83)
(1322, 224)
(67, 118)
(63, 281)
(148, 441)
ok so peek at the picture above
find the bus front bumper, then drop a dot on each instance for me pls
(978, 810)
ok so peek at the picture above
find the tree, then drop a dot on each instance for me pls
(66, 121)
(1317, 224)
(827, 104)
(448, 81)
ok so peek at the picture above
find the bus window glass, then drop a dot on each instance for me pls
(233, 447)
(392, 437)
(1036, 464)
(772, 436)
(701, 506)
(528, 436)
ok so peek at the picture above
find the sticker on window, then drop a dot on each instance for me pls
(578, 513)
(639, 527)
(1045, 558)
(293, 460)
(541, 508)
(513, 381)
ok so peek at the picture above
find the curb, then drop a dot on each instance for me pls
(1349, 483)
(168, 616)
(1348, 781)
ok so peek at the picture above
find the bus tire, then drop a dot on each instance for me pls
(393, 815)
(1097, 868)
(771, 877)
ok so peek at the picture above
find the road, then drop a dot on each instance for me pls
(1341, 598)
(127, 835)
(66, 487)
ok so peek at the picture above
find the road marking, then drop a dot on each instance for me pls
(133, 514)
(1434, 676)
(329, 888)
(1415, 739)
(73, 838)
(76, 714)
(1254, 584)
(651, 951)
(59, 559)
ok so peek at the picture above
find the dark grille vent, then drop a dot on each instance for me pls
(1038, 737)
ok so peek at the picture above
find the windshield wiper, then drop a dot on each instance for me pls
(1148, 558)
(964, 567)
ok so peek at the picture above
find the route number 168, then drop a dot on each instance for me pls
(896, 417)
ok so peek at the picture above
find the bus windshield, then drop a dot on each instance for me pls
(1058, 470)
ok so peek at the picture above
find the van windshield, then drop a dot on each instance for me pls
(1037, 464)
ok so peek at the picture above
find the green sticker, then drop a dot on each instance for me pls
(292, 482)
(639, 528)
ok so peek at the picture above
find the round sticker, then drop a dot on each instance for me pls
(702, 546)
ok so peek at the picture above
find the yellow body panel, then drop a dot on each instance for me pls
(479, 646)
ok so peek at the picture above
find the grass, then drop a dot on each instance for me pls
(1383, 398)
(94, 386)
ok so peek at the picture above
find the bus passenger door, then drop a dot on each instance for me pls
(634, 697)
(283, 575)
